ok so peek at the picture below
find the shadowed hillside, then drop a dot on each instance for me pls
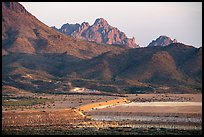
(169, 66)
(40, 59)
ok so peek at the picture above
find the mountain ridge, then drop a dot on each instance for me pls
(35, 57)
(100, 32)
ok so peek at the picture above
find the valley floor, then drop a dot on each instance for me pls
(138, 114)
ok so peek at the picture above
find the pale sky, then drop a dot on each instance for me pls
(145, 21)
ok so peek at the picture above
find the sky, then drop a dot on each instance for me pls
(145, 21)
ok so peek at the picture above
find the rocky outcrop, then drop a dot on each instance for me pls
(162, 41)
(69, 28)
(100, 32)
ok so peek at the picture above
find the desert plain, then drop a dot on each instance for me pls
(77, 113)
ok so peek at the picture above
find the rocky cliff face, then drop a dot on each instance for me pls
(100, 32)
(162, 41)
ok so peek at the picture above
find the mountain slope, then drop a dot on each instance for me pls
(100, 32)
(23, 33)
(34, 55)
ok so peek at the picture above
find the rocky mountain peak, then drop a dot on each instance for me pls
(69, 28)
(100, 32)
(100, 21)
(162, 40)
(85, 24)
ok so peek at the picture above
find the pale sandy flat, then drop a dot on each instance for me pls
(163, 104)
(156, 107)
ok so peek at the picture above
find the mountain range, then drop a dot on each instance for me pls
(100, 32)
(24, 33)
(38, 58)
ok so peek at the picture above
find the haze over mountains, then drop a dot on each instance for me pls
(100, 32)
(35, 57)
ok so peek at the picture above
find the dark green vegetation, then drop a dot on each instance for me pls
(14, 97)
(94, 131)
(22, 101)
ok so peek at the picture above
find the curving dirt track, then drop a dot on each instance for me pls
(184, 112)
